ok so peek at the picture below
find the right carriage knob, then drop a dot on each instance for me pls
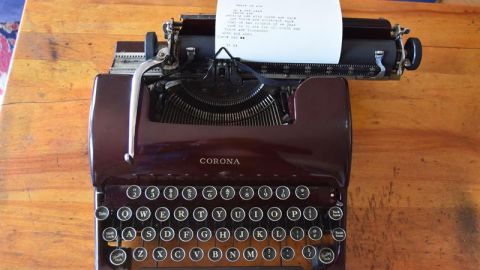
(413, 51)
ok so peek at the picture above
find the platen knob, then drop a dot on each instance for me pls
(413, 51)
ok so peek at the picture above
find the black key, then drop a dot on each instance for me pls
(237, 214)
(282, 192)
(297, 233)
(250, 254)
(215, 254)
(326, 255)
(148, 234)
(139, 254)
(162, 214)
(118, 256)
(209, 193)
(180, 213)
(255, 214)
(170, 193)
(219, 214)
(204, 234)
(227, 193)
(294, 213)
(310, 213)
(241, 234)
(185, 234)
(152, 193)
(124, 213)
(177, 254)
(200, 214)
(159, 254)
(109, 234)
(246, 193)
(260, 234)
(279, 234)
(102, 213)
(274, 214)
(302, 192)
(335, 213)
(309, 252)
(269, 253)
(134, 192)
(315, 233)
(129, 234)
(287, 253)
(196, 254)
(339, 234)
(265, 192)
(189, 193)
(143, 213)
(167, 234)
(232, 254)
(222, 234)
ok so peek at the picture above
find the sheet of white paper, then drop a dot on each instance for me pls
(300, 31)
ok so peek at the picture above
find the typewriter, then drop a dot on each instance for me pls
(201, 162)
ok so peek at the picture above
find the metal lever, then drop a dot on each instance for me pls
(378, 61)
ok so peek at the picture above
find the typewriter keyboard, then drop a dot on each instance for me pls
(214, 226)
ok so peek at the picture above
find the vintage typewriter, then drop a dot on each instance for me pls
(201, 162)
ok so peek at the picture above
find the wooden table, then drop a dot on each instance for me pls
(415, 186)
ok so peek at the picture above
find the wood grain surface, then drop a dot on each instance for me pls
(415, 185)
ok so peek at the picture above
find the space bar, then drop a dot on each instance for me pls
(229, 268)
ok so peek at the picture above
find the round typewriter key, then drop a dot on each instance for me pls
(129, 234)
(215, 254)
(237, 214)
(241, 234)
(294, 213)
(102, 213)
(269, 253)
(185, 234)
(265, 192)
(152, 193)
(209, 192)
(302, 192)
(118, 256)
(227, 193)
(148, 234)
(109, 234)
(196, 254)
(159, 254)
(274, 214)
(167, 234)
(222, 234)
(219, 214)
(335, 213)
(282, 192)
(310, 213)
(315, 233)
(326, 255)
(250, 254)
(246, 193)
(339, 234)
(232, 254)
(189, 193)
(297, 233)
(204, 234)
(124, 213)
(180, 213)
(162, 214)
(143, 213)
(177, 254)
(255, 214)
(200, 214)
(279, 234)
(287, 253)
(139, 254)
(309, 252)
(260, 234)
(170, 193)
(134, 192)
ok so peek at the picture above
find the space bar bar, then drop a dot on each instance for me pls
(229, 268)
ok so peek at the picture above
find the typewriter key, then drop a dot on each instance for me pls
(209, 193)
(109, 234)
(232, 254)
(162, 214)
(124, 213)
(143, 213)
(118, 256)
(260, 234)
(134, 192)
(148, 234)
(302, 192)
(227, 193)
(222, 234)
(315, 233)
(255, 214)
(178, 254)
(326, 255)
(241, 234)
(159, 254)
(196, 254)
(102, 213)
(297, 233)
(189, 193)
(265, 192)
(282, 192)
(310, 213)
(287, 253)
(250, 254)
(129, 234)
(170, 193)
(274, 214)
(215, 254)
(246, 193)
(279, 234)
(339, 234)
(139, 254)
(269, 253)
(294, 213)
(309, 252)
(204, 234)
(219, 214)
(237, 214)
(335, 213)
(152, 193)
(180, 213)
(185, 234)
(167, 234)
(200, 214)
